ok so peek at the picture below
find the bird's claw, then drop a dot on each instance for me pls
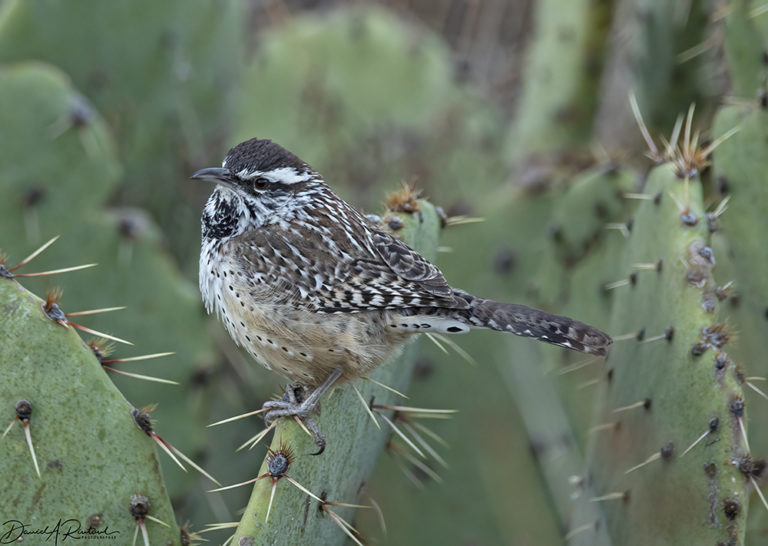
(294, 403)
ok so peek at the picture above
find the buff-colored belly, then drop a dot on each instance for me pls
(306, 346)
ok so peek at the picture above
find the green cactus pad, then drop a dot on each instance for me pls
(664, 393)
(92, 457)
(564, 64)
(64, 159)
(315, 86)
(162, 74)
(739, 173)
(64, 168)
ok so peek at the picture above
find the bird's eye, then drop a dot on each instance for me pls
(261, 183)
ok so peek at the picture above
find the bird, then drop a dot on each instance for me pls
(321, 294)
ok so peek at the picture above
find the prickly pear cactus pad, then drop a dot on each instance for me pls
(59, 158)
(668, 381)
(64, 168)
(161, 74)
(558, 101)
(362, 131)
(91, 456)
(740, 168)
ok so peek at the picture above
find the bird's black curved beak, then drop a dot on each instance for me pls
(214, 174)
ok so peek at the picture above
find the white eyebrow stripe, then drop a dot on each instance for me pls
(283, 175)
(288, 175)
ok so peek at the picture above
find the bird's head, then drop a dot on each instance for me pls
(259, 183)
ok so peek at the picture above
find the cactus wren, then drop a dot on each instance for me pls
(317, 292)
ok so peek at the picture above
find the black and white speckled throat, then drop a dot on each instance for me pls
(221, 216)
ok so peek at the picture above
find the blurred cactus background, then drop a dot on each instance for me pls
(602, 159)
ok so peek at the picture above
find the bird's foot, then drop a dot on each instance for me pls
(296, 402)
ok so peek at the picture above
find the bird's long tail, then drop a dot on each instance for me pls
(530, 322)
(471, 312)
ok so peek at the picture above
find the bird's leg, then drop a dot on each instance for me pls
(294, 403)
